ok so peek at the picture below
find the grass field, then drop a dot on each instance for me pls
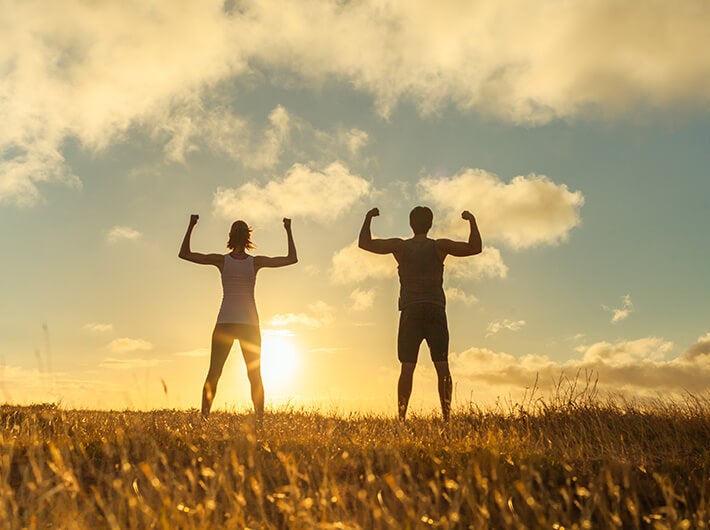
(572, 462)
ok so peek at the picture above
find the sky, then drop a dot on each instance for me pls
(578, 133)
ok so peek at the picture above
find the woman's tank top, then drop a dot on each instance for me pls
(421, 274)
(238, 304)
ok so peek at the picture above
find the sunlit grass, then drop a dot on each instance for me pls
(571, 462)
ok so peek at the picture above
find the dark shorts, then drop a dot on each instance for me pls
(419, 322)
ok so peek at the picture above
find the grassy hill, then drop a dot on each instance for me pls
(570, 463)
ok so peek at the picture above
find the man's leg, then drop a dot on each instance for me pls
(404, 388)
(445, 387)
(221, 344)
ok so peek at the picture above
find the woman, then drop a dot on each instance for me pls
(237, 318)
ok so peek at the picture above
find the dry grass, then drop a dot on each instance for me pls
(572, 462)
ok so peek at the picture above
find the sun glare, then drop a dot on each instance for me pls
(279, 358)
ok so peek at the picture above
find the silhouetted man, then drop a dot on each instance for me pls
(422, 303)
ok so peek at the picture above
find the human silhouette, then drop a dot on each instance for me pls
(238, 318)
(422, 302)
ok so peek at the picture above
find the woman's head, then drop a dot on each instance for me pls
(240, 236)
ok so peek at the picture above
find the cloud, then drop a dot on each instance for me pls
(501, 324)
(699, 350)
(639, 367)
(521, 61)
(128, 364)
(354, 139)
(352, 264)
(454, 294)
(361, 299)
(621, 313)
(319, 314)
(98, 327)
(528, 211)
(191, 128)
(127, 345)
(197, 352)
(487, 264)
(302, 192)
(122, 233)
(70, 72)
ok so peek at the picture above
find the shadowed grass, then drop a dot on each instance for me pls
(573, 462)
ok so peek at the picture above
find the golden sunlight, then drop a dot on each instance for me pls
(279, 358)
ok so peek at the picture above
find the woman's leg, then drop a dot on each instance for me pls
(250, 343)
(222, 342)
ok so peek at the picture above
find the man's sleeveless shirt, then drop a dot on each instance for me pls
(421, 274)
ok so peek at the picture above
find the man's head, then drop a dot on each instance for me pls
(420, 219)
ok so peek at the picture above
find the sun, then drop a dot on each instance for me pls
(279, 358)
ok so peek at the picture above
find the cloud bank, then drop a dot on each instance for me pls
(73, 70)
(639, 367)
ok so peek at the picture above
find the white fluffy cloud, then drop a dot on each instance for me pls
(523, 61)
(302, 192)
(639, 367)
(352, 264)
(72, 69)
(525, 212)
(487, 264)
(122, 233)
(319, 314)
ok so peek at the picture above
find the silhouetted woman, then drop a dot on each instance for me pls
(237, 318)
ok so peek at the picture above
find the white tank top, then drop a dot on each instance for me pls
(238, 304)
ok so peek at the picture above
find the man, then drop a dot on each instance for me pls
(421, 297)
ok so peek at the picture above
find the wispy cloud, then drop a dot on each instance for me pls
(454, 294)
(193, 128)
(98, 327)
(528, 211)
(197, 352)
(319, 314)
(361, 299)
(128, 364)
(127, 345)
(122, 233)
(623, 312)
(321, 195)
(503, 324)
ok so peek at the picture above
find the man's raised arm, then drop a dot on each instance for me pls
(378, 246)
(473, 246)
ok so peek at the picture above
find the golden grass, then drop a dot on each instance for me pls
(569, 463)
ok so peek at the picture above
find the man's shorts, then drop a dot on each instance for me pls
(423, 321)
